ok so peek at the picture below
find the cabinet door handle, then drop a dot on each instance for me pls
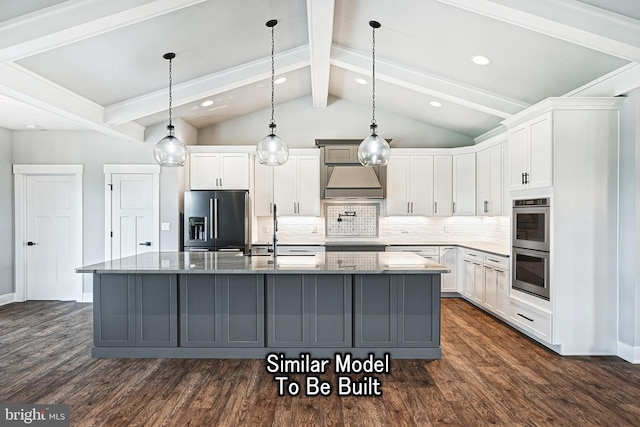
(408, 207)
(453, 207)
(435, 207)
(486, 206)
(411, 207)
(145, 244)
(526, 177)
(31, 243)
(525, 317)
(522, 179)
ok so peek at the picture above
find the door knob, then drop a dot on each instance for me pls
(31, 243)
(145, 244)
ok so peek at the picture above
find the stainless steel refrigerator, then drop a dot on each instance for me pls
(215, 220)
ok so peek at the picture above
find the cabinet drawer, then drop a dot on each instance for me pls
(536, 321)
(472, 255)
(500, 262)
(425, 251)
(299, 249)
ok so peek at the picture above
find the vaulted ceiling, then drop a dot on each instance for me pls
(95, 64)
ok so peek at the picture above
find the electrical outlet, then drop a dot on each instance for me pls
(165, 226)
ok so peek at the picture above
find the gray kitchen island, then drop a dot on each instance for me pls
(225, 305)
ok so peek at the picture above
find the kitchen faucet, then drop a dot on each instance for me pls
(275, 229)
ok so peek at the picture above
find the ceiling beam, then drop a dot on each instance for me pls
(75, 20)
(23, 85)
(428, 84)
(616, 83)
(320, 25)
(213, 84)
(571, 21)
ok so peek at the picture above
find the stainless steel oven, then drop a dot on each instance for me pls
(531, 272)
(530, 247)
(531, 224)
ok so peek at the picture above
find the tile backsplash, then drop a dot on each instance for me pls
(351, 220)
(390, 230)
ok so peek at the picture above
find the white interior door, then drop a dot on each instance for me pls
(52, 252)
(133, 210)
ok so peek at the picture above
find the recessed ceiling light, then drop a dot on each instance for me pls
(435, 104)
(207, 103)
(280, 80)
(481, 60)
(361, 81)
(30, 126)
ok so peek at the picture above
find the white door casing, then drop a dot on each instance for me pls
(48, 213)
(132, 210)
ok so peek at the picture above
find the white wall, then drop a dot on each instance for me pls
(6, 212)
(629, 235)
(299, 124)
(93, 150)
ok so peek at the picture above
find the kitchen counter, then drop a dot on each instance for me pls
(223, 305)
(493, 248)
(231, 263)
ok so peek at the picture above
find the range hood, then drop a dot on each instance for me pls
(343, 177)
(353, 182)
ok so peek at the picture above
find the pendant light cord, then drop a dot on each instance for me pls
(170, 94)
(273, 71)
(373, 78)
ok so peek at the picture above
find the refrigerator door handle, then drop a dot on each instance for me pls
(206, 228)
(215, 218)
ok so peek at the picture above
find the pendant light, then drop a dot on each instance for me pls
(272, 150)
(374, 150)
(170, 151)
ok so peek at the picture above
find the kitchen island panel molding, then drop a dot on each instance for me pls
(226, 305)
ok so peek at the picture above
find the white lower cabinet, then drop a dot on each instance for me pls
(486, 281)
(496, 284)
(531, 319)
(471, 265)
(449, 258)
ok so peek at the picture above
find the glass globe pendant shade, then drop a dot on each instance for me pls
(170, 151)
(272, 150)
(374, 150)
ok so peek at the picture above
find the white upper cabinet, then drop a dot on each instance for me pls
(262, 189)
(219, 171)
(443, 185)
(296, 185)
(530, 151)
(410, 185)
(464, 184)
(489, 181)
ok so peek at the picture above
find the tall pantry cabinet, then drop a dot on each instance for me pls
(566, 149)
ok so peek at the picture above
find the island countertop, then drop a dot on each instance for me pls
(232, 263)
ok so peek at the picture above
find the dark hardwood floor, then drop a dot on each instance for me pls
(489, 375)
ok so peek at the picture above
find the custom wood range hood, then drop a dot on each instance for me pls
(343, 177)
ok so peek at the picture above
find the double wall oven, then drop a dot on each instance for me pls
(530, 246)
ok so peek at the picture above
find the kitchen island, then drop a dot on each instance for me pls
(226, 305)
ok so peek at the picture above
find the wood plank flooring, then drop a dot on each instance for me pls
(489, 375)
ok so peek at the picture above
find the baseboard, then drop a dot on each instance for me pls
(87, 297)
(629, 353)
(7, 298)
